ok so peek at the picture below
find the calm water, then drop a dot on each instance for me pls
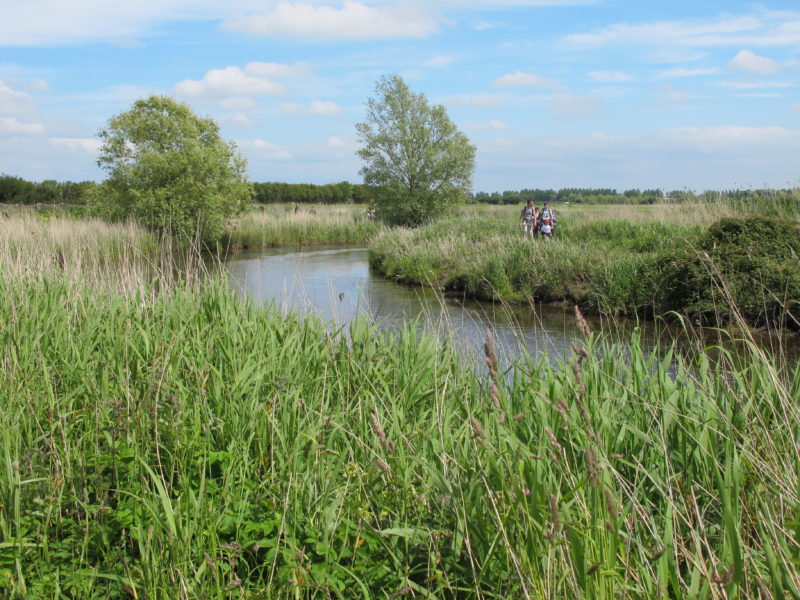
(338, 284)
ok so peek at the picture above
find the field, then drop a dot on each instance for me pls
(162, 439)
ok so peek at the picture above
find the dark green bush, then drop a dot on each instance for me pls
(751, 264)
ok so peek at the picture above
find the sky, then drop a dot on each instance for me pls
(699, 95)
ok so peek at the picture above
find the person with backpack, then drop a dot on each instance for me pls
(547, 219)
(528, 219)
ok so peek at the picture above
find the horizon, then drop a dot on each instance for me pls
(555, 94)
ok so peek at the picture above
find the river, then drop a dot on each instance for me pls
(337, 283)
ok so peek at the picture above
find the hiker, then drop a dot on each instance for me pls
(547, 220)
(528, 218)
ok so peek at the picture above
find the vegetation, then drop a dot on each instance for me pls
(284, 225)
(302, 193)
(171, 170)
(175, 441)
(613, 260)
(414, 156)
(15, 190)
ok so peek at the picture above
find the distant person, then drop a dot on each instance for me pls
(547, 220)
(527, 219)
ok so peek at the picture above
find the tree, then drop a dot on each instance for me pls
(171, 170)
(413, 154)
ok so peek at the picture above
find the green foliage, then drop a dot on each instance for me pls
(187, 441)
(751, 263)
(171, 170)
(418, 161)
(15, 190)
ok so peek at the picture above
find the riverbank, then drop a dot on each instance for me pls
(609, 260)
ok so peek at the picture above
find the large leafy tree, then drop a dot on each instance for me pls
(413, 154)
(171, 170)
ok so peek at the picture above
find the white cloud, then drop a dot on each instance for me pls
(746, 60)
(520, 78)
(354, 21)
(684, 72)
(493, 125)
(237, 103)
(610, 76)
(237, 119)
(59, 22)
(88, 145)
(755, 85)
(335, 142)
(315, 107)
(795, 106)
(232, 81)
(12, 126)
(265, 149)
(568, 106)
(443, 60)
(476, 100)
(672, 94)
(761, 95)
(13, 101)
(759, 28)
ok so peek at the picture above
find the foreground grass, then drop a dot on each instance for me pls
(184, 444)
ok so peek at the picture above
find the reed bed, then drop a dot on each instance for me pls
(184, 444)
(280, 226)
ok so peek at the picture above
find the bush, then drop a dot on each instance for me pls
(750, 264)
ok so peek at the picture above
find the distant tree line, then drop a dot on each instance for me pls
(588, 195)
(632, 196)
(15, 190)
(299, 193)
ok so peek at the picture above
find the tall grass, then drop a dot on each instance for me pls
(279, 225)
(188, 445)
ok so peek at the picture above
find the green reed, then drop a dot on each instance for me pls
(184, 444)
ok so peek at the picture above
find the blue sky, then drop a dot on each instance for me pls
(554, 93)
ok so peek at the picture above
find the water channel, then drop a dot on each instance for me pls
(337, 283)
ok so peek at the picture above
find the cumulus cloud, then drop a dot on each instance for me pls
(13, 126)
(746, 60)
(13, 101)
(353, 21)
(568, 106)
(237, 103)
(684, 72)
(237, 119)
(255, 79)
(610, 76)
(315, 107)
(265, 149)
(521, 79)
(88, 145)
